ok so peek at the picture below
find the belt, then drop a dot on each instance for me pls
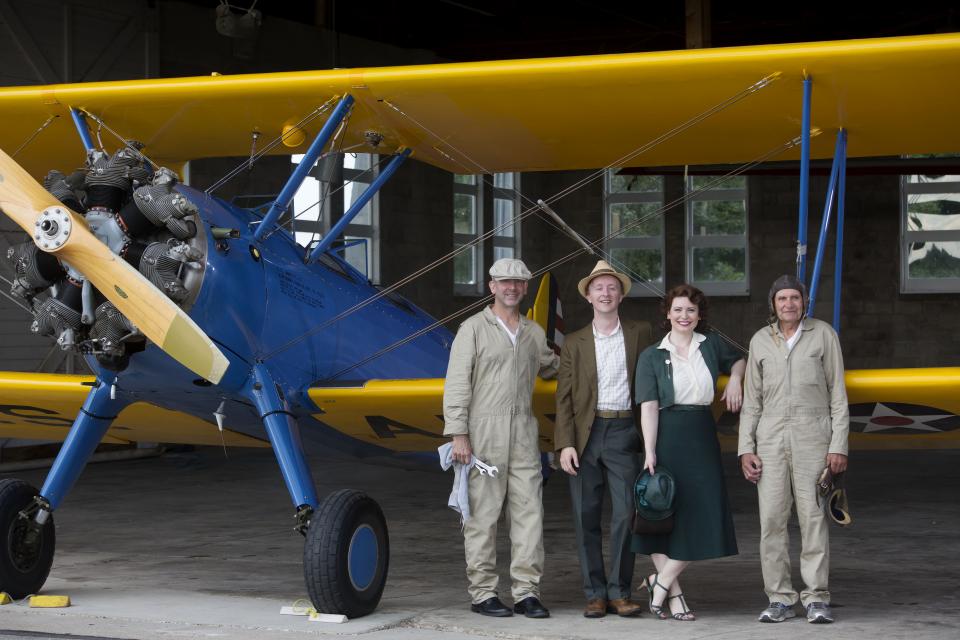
(613, 414)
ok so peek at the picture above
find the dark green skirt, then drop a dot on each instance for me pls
(703, 527)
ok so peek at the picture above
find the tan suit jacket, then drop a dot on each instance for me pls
(577, 380)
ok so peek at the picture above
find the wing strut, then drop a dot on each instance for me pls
(837, 187)
(303, 169)
(361, 202)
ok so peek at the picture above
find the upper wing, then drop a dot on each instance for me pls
(894, 95)
(889, 409)
(42, 407)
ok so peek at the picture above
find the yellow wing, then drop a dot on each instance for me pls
(890, 409)
(43, 406)
(894, 95)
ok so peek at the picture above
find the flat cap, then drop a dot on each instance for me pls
(509, 269)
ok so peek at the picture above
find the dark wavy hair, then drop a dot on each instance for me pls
(694, 295)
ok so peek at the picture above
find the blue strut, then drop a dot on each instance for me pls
(80, 122)
(361, 202)
(98, 413)
(839, 157)
(804, 180)
(838, 264)
(303, 169)
(281, 426)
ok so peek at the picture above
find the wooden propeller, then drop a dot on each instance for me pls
(58, 230)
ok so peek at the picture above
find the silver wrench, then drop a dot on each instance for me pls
(485, 469)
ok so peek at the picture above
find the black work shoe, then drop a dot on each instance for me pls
(531, 607)
(492, 607)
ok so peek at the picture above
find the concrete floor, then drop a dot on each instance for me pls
(193, 544)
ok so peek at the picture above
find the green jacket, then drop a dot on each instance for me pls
(654, 379)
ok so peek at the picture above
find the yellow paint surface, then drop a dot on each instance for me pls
(894, 95)
(414, 410)
(42, 407)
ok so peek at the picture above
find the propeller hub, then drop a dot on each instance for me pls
(53, 227)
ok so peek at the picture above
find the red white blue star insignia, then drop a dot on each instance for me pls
(898, 417)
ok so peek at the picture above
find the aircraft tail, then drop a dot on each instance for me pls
(547, 311)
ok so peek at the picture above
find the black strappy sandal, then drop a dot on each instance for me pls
(688, 615)
(655, 609)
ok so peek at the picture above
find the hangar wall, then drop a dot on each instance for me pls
(880, 327)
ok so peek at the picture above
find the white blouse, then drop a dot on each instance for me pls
(692, 382)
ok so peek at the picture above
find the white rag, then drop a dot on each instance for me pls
(459, 499)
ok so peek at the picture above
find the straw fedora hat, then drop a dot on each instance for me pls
(603, 269)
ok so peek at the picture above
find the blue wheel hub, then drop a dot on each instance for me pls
(362, 556)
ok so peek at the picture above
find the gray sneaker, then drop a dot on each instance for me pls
(819, 613)
(777, 612)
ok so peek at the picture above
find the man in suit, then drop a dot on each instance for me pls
(597, 438)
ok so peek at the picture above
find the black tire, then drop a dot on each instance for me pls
(26, 554)
(346, 554)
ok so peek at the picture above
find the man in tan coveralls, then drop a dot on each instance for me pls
(494, 362)
(794, 421)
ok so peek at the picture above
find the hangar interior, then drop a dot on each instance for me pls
(902, 264)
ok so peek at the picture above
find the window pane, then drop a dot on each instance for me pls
(464, 179)
(634, 184)
(503, 213)
(733, 182)
(630, 214)
(934, 260)
(921, 179)
(715, 264)
(933, 211)
(360, 161)
(640, 264)
(719, 217)
(503, 180)
(358, 256)
(464, 267)
(502, 252)
(464, 213)
(351, 193)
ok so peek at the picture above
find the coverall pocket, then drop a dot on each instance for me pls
(810, 369)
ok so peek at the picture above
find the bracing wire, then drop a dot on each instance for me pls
(596, 244)
(619, 162)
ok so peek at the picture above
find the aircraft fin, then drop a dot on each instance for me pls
(548, 312)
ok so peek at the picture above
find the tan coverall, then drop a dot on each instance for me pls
(487, 394)
(794, 413)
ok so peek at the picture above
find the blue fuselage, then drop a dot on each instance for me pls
(257, 296)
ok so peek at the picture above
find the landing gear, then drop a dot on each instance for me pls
(26, 547)
(346, 554)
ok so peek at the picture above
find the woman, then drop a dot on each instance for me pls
(675, 385)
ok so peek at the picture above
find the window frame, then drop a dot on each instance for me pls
(511, 194)
(368, 232)
(908, 236)
(460, 239)
(693, 241)
(641, 290)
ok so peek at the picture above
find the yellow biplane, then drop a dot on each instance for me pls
(188, 308)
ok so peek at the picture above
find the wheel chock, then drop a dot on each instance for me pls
(335, 618)
(49, 602)
(5, 598)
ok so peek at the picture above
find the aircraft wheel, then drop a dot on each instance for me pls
(346, 554)
(26, 552)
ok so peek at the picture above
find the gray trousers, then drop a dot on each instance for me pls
(610, 460)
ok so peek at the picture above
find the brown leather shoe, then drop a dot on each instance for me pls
(624, 607)
(596, 608)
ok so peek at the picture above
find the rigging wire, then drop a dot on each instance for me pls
(124, 141)
(595, 244)
(735, 98)
(34, 135)
(292, 130)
